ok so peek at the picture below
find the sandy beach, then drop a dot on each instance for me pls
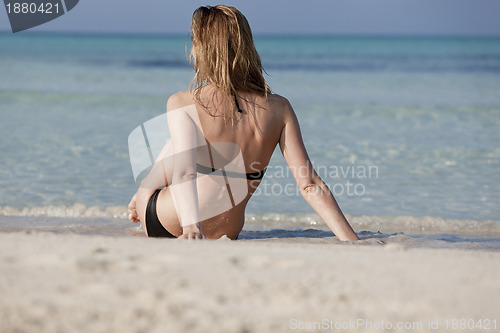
(75, 283)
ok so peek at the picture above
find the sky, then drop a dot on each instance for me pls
(337, 17)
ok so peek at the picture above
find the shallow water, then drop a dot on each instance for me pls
(415, 118)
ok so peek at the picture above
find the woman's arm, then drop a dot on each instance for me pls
(312, 188)
(176, 167)
(184, 133)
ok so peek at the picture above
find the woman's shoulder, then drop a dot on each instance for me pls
(280, 105)
(180, 99)
(277, 103)
(278, 100)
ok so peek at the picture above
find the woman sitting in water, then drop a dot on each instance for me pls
(223, 133)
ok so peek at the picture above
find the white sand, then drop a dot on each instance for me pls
(71, 283)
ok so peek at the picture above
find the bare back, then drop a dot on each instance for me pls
(256, 131)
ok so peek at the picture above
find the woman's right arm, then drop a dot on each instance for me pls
(312, 188)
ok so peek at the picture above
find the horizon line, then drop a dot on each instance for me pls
(264, 34)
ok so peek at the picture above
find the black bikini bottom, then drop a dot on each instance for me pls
(153, 224)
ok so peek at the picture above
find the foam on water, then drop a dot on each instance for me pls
(74, 211)
(270, 221)
(399, 232)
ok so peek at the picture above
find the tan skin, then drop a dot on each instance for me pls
(256, 131)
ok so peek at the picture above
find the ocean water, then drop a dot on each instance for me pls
(396, 126)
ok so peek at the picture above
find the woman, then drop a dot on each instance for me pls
(229, 102)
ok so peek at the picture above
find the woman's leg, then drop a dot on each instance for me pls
(142, 198)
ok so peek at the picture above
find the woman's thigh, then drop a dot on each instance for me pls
(167, 214)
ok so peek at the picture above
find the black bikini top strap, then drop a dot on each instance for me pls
(237, 104)
(258, 175)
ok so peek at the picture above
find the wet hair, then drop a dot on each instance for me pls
(223, 54)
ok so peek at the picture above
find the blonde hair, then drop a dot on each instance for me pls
(224, 54)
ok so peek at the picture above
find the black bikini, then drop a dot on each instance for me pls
(153, 224)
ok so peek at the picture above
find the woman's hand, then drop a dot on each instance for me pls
(132, 212)
(192, 231)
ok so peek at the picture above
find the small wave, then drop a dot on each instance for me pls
(386, 224)
(273, 221)
(77, 210)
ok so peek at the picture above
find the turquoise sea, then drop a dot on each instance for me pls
(396, 126)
